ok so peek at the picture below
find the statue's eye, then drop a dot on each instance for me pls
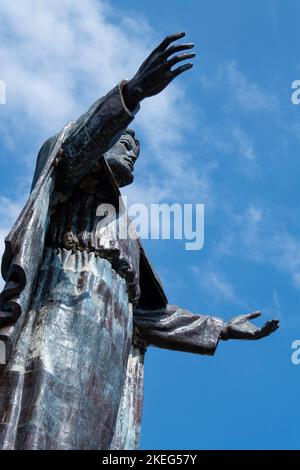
(127, 144)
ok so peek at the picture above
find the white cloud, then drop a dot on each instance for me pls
(9, 210)
(216, 284)
(239, 89)
(254, 214)
(262, 236)
(237, 96)
(59, 56)
(248, 95)
(245, 146)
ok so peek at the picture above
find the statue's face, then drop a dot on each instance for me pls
(122, 157)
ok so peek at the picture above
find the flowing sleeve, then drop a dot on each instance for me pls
(178, 329)
(93, 134)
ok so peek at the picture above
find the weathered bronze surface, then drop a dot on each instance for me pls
(80, 306)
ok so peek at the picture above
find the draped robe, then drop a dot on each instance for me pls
(80, 306)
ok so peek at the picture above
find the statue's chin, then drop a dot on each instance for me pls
(126, 181)
(123, 176)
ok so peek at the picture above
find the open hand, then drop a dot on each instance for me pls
(156, 71)
(240, 328)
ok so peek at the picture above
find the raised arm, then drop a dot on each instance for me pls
(99, 128)
(180, 330)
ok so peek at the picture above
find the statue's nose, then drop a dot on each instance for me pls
(132, 155)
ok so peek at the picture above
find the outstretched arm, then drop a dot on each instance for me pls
(178, 329)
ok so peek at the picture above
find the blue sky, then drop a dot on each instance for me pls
(226, 134)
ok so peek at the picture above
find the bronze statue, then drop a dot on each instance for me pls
(80, 306)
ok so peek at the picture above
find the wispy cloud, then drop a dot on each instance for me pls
(245, 146)
(248, 95)
(241, 102)
(215, 283)
(260, 234)
(240, 90)
(59, 56)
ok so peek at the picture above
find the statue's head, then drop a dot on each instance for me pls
(122, 157)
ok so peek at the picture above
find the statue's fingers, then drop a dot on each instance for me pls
(268, 328)
(274, 325)
(177, 48)
(174, 73)
(245, 317)
(168, 40)
(251, 316)
(180, 58)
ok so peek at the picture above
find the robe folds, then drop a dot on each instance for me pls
(80, 306)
